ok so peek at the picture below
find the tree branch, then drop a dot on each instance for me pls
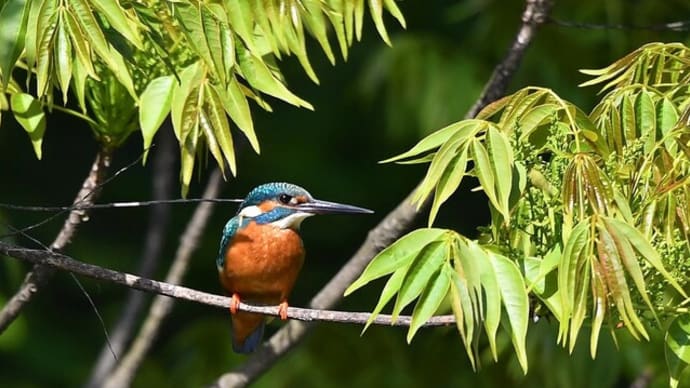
(40, 274)
(159, 220)
(392, 226)
(535, 14)
(66, 263)
(124, 373)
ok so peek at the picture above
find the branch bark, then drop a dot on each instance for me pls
(124, 373)
(536, 13)
(159, 220)
(393, 225)
(66, 263)
(40, 274)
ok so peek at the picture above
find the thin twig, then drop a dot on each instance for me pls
(112, 205)
(66, 263)
(40, 274)
(125, 371)
(159, 219)
(391, 227)
(678, 26)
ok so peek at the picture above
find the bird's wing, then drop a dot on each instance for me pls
(228, 232)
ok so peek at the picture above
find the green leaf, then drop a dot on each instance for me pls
(515, 300)
(221, 128)
(63, 57)
(376, 9)
(260, 77)
(214, 42)
(113, 12)
(645, 249)
(483, 170)
(29, 114)
(439, 165)
(236, 105)
(645, 119)
(436, 139)
(501, 158)
(316, 23)
(13, 17)
(677, 349)
(449, 182)
(47, 23)
(154, 106)
(396, 255)
(240, 18)
(79, 43)
(431, 298)
(427, 262)
(577, 248)
(534, 118)
(389, 290)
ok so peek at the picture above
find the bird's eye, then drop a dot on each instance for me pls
(285, 198)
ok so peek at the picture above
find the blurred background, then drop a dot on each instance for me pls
(377, 104)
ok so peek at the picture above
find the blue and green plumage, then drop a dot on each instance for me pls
(261, 253)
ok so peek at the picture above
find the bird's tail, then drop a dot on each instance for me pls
(247, 332)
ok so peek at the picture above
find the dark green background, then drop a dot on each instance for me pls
(375, 105)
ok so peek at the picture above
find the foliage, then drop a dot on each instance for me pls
(130, 64)
(589, 214)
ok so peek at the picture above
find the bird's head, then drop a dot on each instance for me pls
(286, 205)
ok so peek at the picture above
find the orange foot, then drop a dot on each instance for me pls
(282, 309)
(234, 303)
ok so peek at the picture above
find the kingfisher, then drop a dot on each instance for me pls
(261, 253)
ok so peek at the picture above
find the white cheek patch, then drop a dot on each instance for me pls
(251, 211)
(292, 221)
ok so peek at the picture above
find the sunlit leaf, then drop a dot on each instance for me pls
(677, 347)
(117, 18)
(396, 255)
(427, 262)
(13, 18)
(154, 106)
(29, 114)
(431, 298)
(260, 77)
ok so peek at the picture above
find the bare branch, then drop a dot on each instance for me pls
(66, 263)
(124, 373)
(535, 14)
(392, 226)
(159, 219)
(40, 274)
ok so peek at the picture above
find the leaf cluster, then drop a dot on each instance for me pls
(132, 63)
(590, 210)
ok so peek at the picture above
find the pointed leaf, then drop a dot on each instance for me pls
(396, 255)
(113, 12)
(389, 290)
(236, 105)
(436, 139)
(427, 262)
(29, 114)
(221, 128)
(13, 18)
(431, 298)
(154, 106)
(260, 77)
(645, 249)
(677, 347)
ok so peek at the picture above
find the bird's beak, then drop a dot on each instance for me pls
(316, 206)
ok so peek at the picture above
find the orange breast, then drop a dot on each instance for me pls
(262, 263)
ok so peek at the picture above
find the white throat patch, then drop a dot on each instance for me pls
(293, 221)
(250, 211)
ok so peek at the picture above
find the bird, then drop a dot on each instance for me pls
(261, 253)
